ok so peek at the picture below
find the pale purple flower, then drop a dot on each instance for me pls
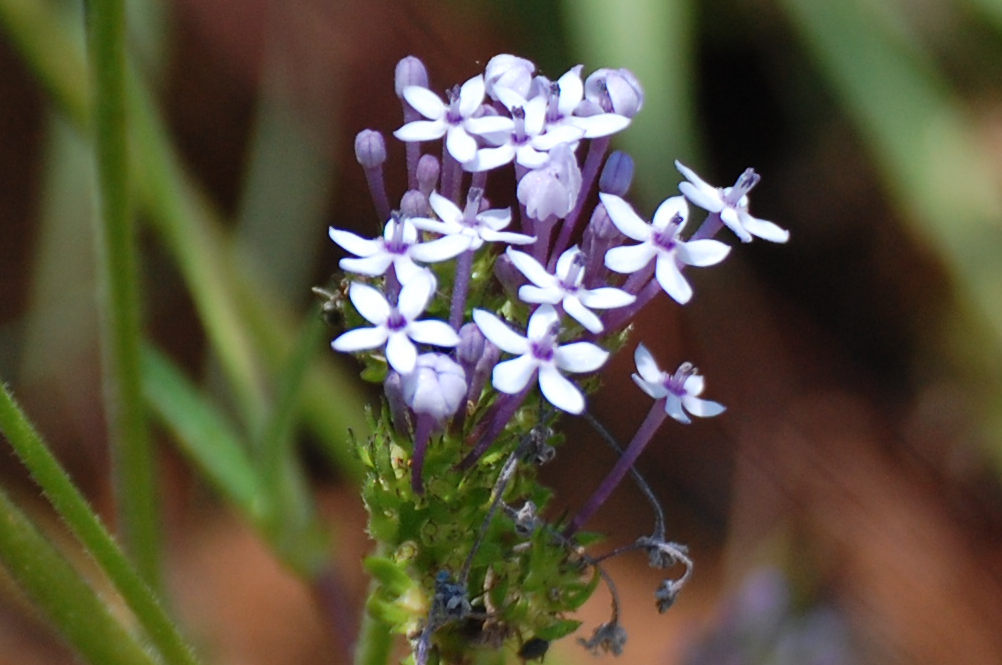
(554, 187)
(680, 390)
(435, 387)
(474, 227)
(396, 326)
(540, 356)
(732, 205)
(565, 287)
(660, 241)
(398, 246)
(456, 120)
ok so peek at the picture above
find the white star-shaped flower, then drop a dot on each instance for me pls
(529, 138)
(455, 121)
(540, 355)
(680, 390)
(734, 214)
(396, 326)
(565, 288)
(475, 228)
(660, 241)
(398, 247)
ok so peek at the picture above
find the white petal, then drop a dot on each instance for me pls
(400, 353)
(511, 376)
(540, 322)
(504, 236)
(500, 334)
(509, 98)
(369, 302)
(435, 226)
(698, 190)
(673, 407)
(531, 268)
(629, 258)
(565, 262)
(434, 332)
(461, 145)
(702, 252)
(671, 280)
(490, 126)
(647, 366)
(559, 135)
(603, 124)
(655, 390)
(535, 115)
(446, 210)
(471, 95)
(491, 158)
(580, 357)
(571, 90)
(355, 244)
(530, 158)
(415, 294)
(729, 216)
(703, 408)
(371, 265)
(440, 249)
(405, 268)
(360, 339)
(560, 392)
(625, 219)
(536, 295)
(694, 385)
(763, 229)
(495, 219)
(425, 102)
(422, 130)
(669, 209)
(606, 297)
(580, 313)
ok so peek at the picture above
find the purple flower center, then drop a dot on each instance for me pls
(396, 243)
(453, 116)
(395, 322)
(553, 104)
(675, 383)
(542, 350)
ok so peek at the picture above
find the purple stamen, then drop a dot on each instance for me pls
(395, 321)
(552, 108)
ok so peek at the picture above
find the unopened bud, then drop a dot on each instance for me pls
(409, 71)
(617, 174)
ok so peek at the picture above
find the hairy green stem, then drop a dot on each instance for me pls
(132, 449)
(73, 508)
(62, 594)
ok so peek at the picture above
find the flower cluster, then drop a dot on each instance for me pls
(463, 309)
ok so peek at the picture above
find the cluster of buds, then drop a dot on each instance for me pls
(461, 310)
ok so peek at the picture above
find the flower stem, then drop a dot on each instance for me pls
(374, 639)
(132, 450)
(460, 288)
(644, 434)
(72, 507)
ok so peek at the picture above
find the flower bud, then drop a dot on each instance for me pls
(508, 71)
(414, 204)
(615, 91)
(510, 277)
(409, 71)
(370, 149)
(471, 346)
(552, 189)
(428, 170)
(617, 174)
(436, 387)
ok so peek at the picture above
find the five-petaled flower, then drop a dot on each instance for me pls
(731, 203)
(398, 246)
(539, 354)
(457, 121)
(396, 326)
(661, 241)
(680, 390)
(474, 226)
(565, 287)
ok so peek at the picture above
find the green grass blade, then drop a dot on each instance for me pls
(74, 510)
